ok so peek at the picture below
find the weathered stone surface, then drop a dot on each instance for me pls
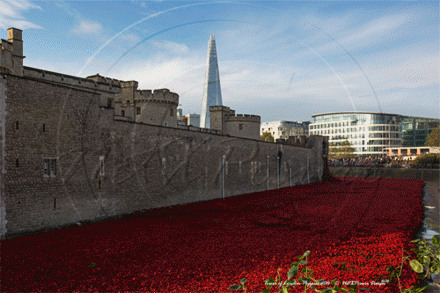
(145, 166)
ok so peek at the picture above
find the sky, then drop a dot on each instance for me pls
(281, 60)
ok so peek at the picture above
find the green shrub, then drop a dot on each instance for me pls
(427, 159)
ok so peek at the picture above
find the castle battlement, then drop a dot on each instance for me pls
(130, 83)
(146, 93)
(6, 45)
(156, 96)
(105, 80)
(220, 108)
(87, 83)
(164, 95)
(244, 118)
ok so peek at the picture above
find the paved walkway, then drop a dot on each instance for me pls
(431, 201)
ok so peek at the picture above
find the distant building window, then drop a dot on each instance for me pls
(165, 124)
(109, 103)
(171, 112)
(122, 113)
(17, 163)
(50, 168)
(16, 125)
(240, 126)
(138, 110)
(44, 127)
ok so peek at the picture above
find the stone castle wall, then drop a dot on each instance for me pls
(243, 125)
(224, 119)
(107, 167)
(110, 86)
(6, 57)
(145, 106)
(246, 129)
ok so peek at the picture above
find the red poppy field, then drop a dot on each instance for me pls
(355, 229)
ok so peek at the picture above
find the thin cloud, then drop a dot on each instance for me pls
(377, 29)
(83, 26)
(171, 47)
(11, 14)
(130, 38)
(87, 27)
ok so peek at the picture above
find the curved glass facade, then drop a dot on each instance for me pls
(369, 133)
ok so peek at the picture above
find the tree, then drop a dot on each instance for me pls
(267, 136)
(427, 159)
(340, 150)
(432, 139)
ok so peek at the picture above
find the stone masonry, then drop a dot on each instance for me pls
(66, 158)
(105, 167)
(224, 119)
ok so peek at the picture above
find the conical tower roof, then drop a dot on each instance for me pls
(212, 95)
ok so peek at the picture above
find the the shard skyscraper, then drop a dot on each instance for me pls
(212, 94)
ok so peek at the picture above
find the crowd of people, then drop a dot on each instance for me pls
(380, 162)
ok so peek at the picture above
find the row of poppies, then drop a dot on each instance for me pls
(356, 229)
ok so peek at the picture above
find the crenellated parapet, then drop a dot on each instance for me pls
(224, 119)
(158, 107)
(106, 80)
(111, 85)
(244, 118)
(164, 95)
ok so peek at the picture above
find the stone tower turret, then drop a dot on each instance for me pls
(15, 36)
(218, 116)
(11, 59)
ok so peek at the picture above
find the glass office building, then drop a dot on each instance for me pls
(416, 129)
(369, 133)
(372, 133)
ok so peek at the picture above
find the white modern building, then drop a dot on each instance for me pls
(372, 133)
(369, 133)
(285, 129)
(179, 113)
